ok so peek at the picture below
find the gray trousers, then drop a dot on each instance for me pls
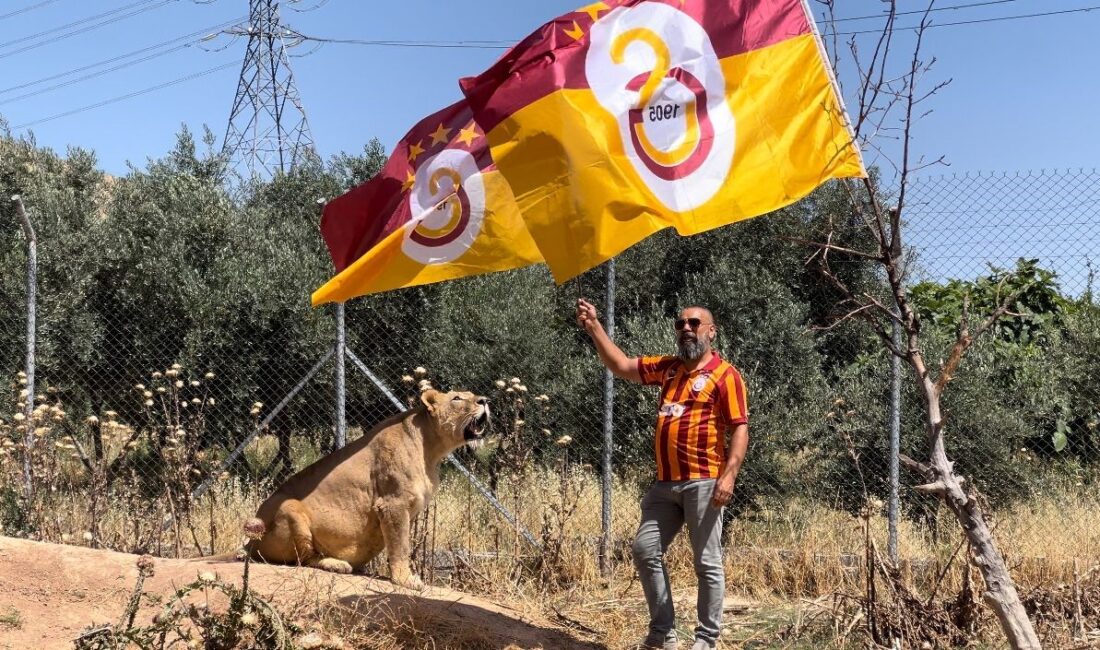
(666, 507)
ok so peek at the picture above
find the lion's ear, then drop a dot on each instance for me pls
(430, 398)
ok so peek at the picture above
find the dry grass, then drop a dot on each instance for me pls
(784, 558)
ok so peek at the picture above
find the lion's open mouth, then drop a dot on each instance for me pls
(475, 428)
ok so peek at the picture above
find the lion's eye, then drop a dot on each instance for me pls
(456, 398)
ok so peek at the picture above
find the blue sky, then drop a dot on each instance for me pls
(1024, 93)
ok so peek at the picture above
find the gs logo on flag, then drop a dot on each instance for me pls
(654, 68)
(448, 207)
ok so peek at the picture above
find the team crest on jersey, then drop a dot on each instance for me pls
(700, 383)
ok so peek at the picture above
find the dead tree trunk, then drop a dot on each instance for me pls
(1000, 592)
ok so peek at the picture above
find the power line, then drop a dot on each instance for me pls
(120, 98)
(144, 5)
(75, 23)
(977, 21)
(501, 45)
(471, 45)
(190, 39)
(921, 11)
(26, 9)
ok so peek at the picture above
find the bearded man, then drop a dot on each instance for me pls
(702, 399)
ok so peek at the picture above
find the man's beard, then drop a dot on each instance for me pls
(691, 348)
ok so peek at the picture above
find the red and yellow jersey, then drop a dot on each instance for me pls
(697, 408)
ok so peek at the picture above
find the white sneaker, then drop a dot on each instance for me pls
(702, 644)
(667, 644)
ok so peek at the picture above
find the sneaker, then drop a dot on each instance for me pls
(702, 644)
(667, 644)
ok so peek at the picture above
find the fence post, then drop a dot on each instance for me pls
(895, 447)
(608, 431)
(341, 386)
(32, 290)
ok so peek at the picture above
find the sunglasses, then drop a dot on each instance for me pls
(693, 322)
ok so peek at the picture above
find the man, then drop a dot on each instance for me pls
(702, 397)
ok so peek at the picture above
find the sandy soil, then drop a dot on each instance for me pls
(49, 593)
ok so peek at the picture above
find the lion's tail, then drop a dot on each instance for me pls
(254, 528)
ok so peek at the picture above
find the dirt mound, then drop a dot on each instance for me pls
(49, 593)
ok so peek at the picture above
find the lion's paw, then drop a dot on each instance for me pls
(410, 581)
(332, 564)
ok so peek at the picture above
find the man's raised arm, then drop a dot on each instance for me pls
(616, 361)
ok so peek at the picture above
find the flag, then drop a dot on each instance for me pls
(630, 116)
(438, 210)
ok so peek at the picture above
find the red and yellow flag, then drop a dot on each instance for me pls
(630, 116)
(438, 210)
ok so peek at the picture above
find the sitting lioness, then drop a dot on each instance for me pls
(338, 513)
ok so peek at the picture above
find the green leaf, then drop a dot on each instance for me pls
(1060, 439)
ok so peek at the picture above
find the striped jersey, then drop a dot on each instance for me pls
(696, 411)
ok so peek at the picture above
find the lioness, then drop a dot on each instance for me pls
(339, 512)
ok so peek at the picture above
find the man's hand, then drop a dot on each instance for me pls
(586, 316)
(723, 491)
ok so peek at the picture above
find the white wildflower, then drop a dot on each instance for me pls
(420, 371)
(91, 419)
(514, 381)
(179, 383)
(207, 576)
(500, 383)
(564, 441)
(139, 386)
(148, 402)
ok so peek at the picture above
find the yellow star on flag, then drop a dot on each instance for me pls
(595, 8)
(441, 134)
(467, 136)
(415, 150)
(410, 180)
(576, 33)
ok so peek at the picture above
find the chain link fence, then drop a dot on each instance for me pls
(160, 423)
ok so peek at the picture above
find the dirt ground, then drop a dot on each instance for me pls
(49, 593)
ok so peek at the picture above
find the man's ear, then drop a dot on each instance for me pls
(430, 398)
